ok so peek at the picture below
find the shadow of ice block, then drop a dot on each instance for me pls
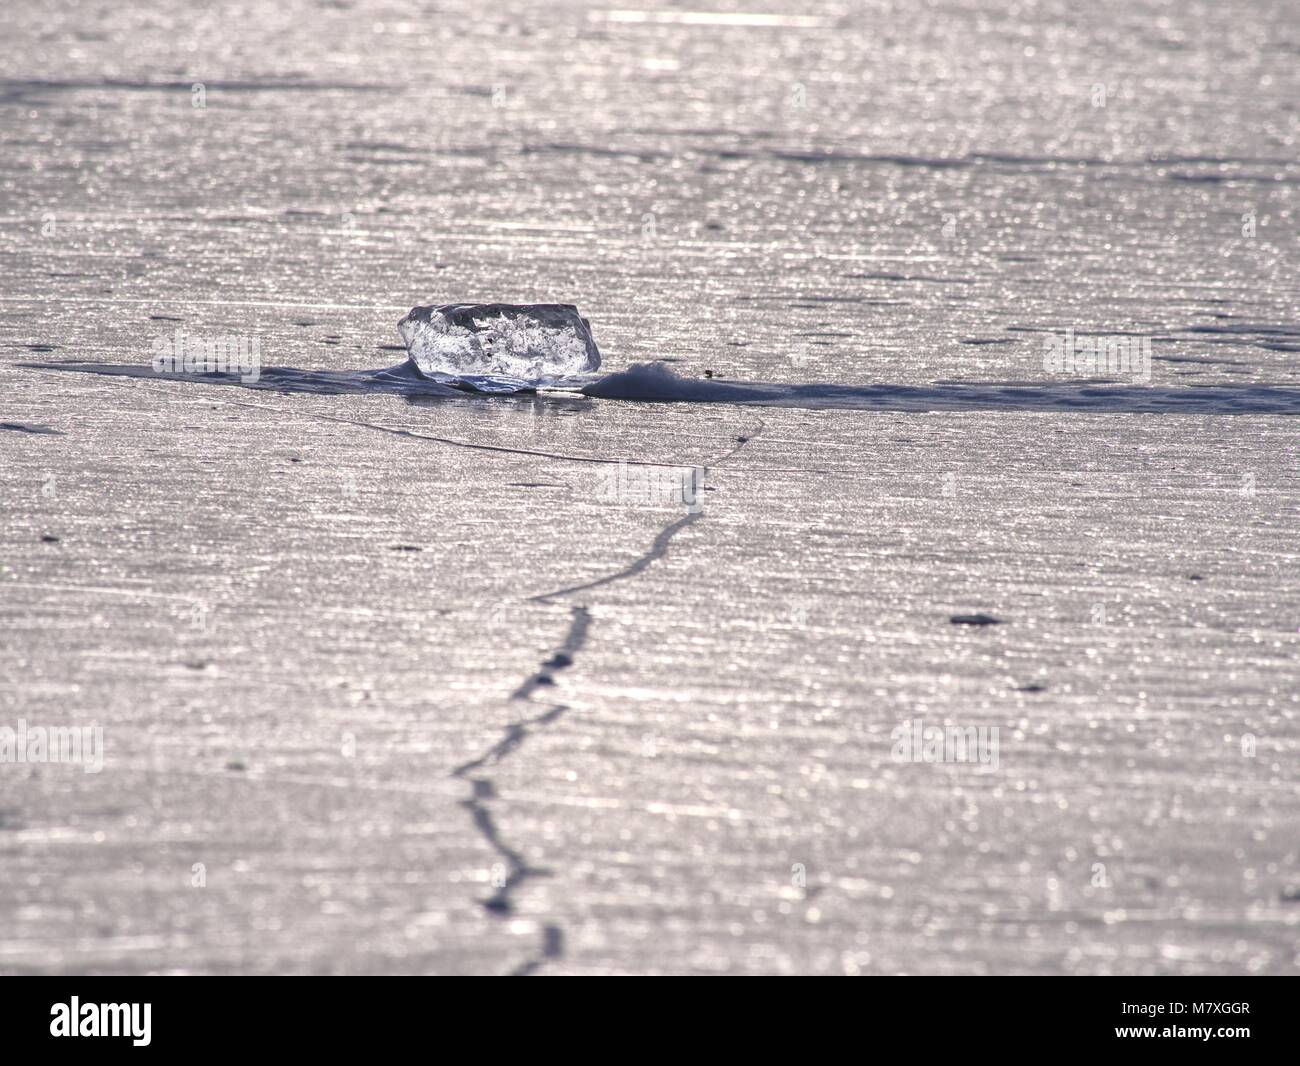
(528, 341)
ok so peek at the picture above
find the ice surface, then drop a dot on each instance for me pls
(529, 342)
(287, 694)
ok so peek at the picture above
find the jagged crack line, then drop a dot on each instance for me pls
(515, 734)
(659, 548)
(553, 935)
(517, 868)
(552, 948)
(657, 551)
(562, 658)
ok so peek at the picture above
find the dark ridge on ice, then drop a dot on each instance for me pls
(656, 383)
(24, 427)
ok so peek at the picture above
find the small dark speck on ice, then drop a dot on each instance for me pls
(975, 620)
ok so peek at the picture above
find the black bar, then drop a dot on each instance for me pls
(222, 1015)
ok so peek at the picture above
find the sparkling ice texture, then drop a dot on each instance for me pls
(528, 341)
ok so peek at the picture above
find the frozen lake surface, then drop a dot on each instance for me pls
(396, 679)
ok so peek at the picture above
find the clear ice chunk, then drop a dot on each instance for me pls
(529, 342)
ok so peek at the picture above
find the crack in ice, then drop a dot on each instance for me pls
(518, 869)
(483, 790)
